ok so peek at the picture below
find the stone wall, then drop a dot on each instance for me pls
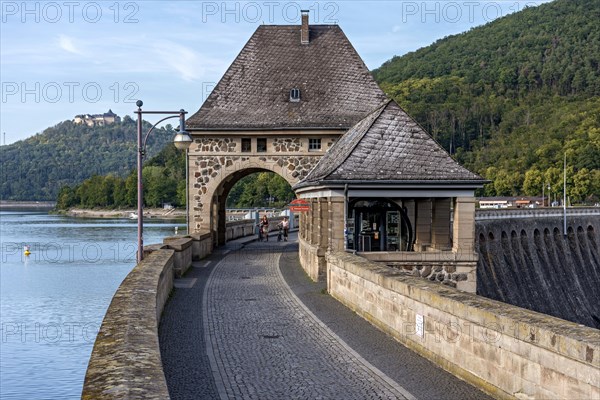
(208, 173)
(287, 144)
(507, 351)
(183, 247)
(202, 245)
(217, 160)
(445, 267)
(237, 229)
(312, 259)
(125, 361)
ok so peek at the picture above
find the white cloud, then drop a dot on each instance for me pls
(66, 43)
(182, 59)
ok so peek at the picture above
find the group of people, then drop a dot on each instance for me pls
(263, 229)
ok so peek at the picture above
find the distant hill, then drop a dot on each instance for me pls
(67, 154)
(509, 98)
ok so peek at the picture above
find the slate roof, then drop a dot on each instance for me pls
(336, 88)
(388, 146)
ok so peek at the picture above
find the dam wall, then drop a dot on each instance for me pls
(526, 260)
(507, 351)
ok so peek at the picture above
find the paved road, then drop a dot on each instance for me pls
(249, 324)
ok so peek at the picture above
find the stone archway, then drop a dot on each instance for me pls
(217, 163)
(219, 201)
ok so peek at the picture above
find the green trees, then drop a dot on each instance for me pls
(533, 182)
(160, 186)
(263, 189)
(66, 198)
(163, 179)
(510, 98)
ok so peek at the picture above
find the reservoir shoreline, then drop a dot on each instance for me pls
(124, 213)
(6, 205)
(48, 206)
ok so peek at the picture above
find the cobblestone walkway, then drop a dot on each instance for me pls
(247, 323)
(267, 345)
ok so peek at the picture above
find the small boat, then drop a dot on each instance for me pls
(26, 250)
(133, 215)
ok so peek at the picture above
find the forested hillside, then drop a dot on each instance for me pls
(163, 179)
(510, 98)
(164, 182)
(66, 154)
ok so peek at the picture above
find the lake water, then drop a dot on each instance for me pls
(52, 302)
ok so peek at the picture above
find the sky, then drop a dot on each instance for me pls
(63, 58)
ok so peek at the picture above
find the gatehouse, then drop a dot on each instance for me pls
(284, 101)
(300, 102)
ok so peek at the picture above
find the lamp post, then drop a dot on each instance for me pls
(182, 140)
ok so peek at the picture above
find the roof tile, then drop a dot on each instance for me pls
(388, 145)
(336, 88)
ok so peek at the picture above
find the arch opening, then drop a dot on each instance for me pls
(244, 194)
(590, 232)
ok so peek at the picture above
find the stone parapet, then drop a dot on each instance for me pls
(509, 352)
(458, 270)
(125, 361)
(312, 259)
(202, 245)
(237, 229)
(183, 247)
(415, 256)
(485, 214)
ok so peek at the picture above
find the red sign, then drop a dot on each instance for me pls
(299, 208)
(299, 205)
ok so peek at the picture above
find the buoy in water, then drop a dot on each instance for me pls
(27, 252)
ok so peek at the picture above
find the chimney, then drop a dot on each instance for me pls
(304, 33)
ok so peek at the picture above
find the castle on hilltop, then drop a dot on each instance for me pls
(97, 119)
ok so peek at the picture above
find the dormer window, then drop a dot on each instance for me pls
(295, 95)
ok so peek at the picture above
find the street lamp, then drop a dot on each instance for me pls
(182, 141)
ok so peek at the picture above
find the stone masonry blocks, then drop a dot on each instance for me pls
(506, 350)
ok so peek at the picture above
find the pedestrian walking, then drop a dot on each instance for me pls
(284, 226)
(264, 227)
